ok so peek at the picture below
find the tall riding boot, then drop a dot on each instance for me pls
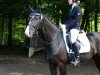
(75, 47)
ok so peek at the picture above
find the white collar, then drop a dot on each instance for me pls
(73, 5)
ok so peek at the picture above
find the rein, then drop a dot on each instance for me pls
(44, 42)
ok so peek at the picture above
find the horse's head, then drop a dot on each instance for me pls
(34, 20)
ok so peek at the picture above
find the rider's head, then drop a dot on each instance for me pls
(73, 1)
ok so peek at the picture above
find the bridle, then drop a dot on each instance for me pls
(36, 33)
(35, 27)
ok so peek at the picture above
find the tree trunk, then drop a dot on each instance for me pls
(96, 15)
(10, 30)
(39, 2)
(2, 29)
(64, 14)
(57, 15)
(85, 21)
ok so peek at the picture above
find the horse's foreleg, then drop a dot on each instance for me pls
(53, 69)
(96, 58)
(62, 68)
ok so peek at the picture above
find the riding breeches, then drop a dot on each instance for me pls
(74, 34)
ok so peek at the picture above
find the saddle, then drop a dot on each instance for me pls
(81, 39)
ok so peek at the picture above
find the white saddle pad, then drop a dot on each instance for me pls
(85, 44)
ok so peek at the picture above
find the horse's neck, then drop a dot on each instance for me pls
(49, 30)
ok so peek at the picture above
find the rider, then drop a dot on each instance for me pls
(73, 26)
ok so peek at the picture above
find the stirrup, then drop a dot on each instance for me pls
(76, 62)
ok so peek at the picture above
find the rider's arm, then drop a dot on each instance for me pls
(74, 22)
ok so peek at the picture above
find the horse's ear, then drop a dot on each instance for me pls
(39, 7)
(30, 9)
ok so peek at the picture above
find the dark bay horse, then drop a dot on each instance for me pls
(52, 38)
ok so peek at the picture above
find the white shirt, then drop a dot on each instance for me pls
(73, 5)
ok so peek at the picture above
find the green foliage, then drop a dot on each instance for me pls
(18, 34)
(56, 10)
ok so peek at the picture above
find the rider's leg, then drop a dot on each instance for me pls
(74, 33)
(75, 47)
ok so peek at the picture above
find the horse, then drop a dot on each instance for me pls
(54, 44)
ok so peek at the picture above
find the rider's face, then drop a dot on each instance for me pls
(70, 2)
